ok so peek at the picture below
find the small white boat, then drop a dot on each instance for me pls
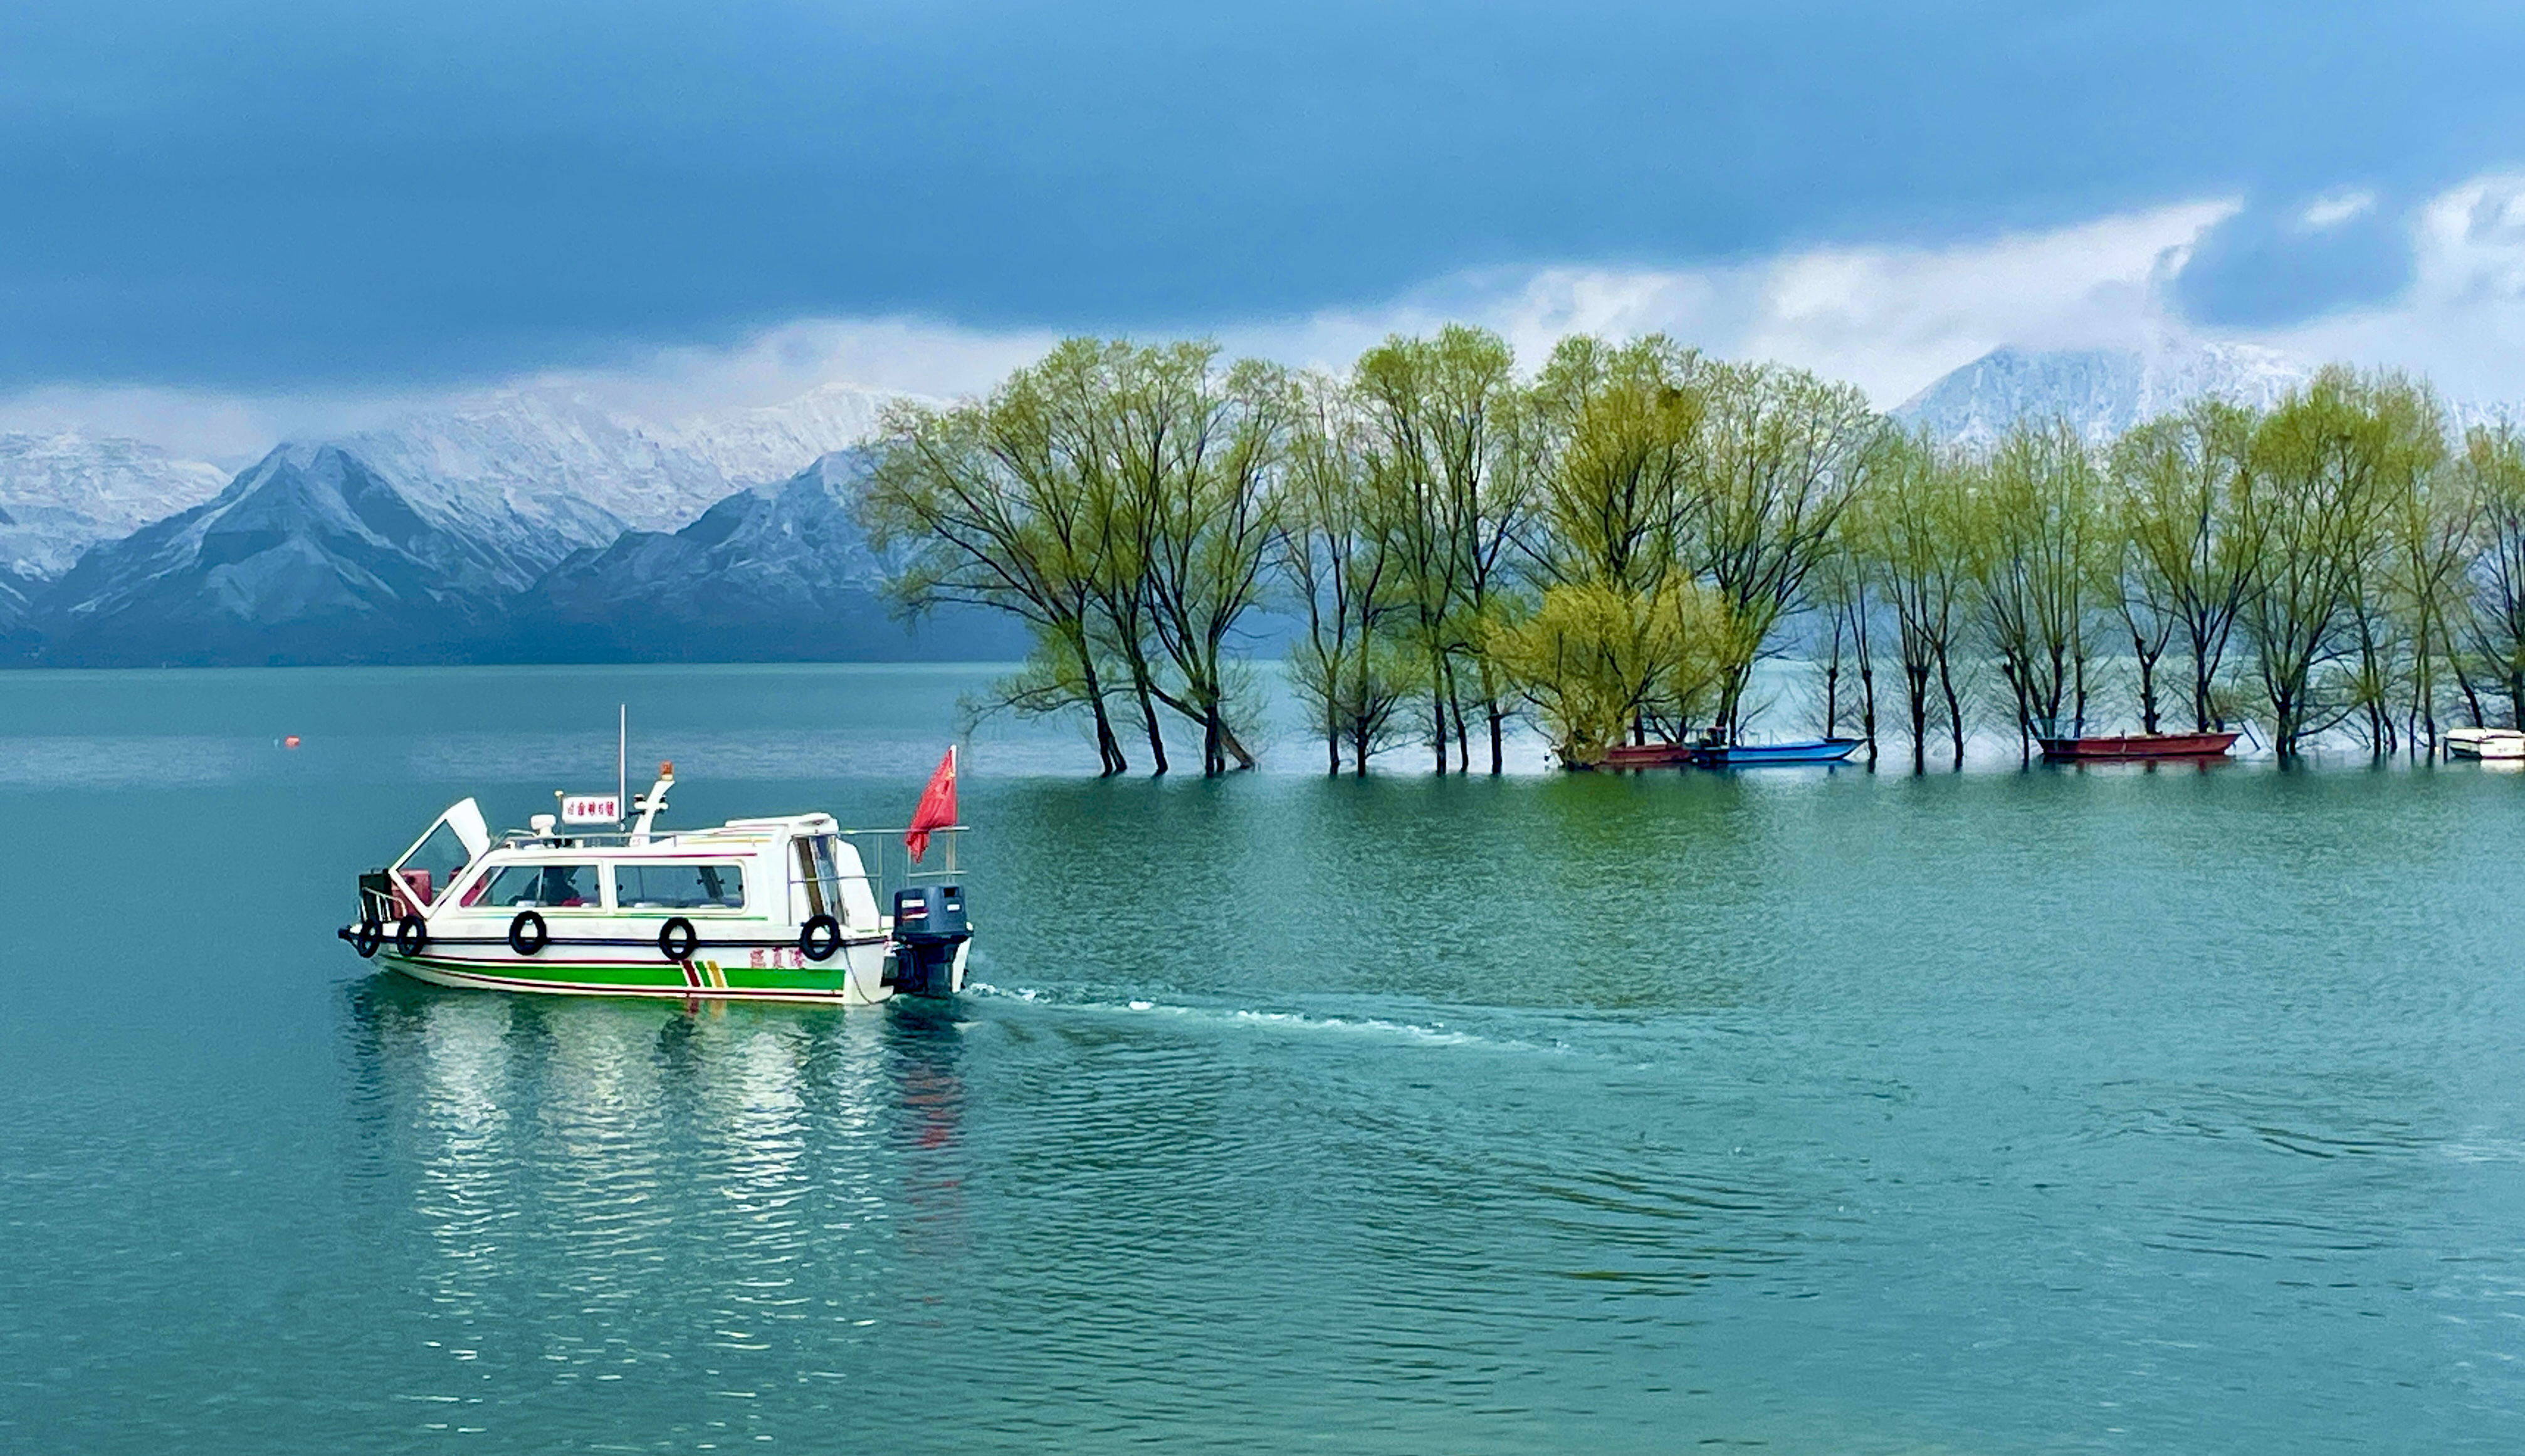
(779, 910)
(2484, 743)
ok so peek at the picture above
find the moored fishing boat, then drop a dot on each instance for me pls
(1646, 755)
(2484, 743)
(2129, 747)
(1772, 754)
(783, 909)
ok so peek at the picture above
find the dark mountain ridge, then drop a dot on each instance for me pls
(312, 556)
(774, 573)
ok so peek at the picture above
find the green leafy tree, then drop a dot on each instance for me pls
(1337, 554)
(992, 516)
(2037, 546)
(2178, 485)
(2324, 470)
(2493, 469)
(1446, 449)
(1914, 526)
(1781, 452)
(1594, 657)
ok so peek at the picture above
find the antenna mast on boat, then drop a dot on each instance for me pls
(621, 764)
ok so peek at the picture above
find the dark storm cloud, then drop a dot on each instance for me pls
(2270, 267)
(256, 193)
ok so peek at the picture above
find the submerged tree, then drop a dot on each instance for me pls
(2037, 561)
(1847, 593)
(1596, 657)
(1913, 524)
(1337, 552)
(2178, 484)
(995, 516)
(2325, 468)
(2493, 469)
(2432, 535)
(1446, 453)
(1780, 454)
(1118, 498)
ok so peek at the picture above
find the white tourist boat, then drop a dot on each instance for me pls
(2484, 743)
(781, 909)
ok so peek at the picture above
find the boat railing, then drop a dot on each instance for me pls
(885, 865)
(891, 866)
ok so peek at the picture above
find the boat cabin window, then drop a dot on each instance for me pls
(822, 877)
(544, 886)
(678, 887)
(434, 864)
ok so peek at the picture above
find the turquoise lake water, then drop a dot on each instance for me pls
(1816, 1112)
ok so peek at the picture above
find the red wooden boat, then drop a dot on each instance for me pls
(2129, 745)
(1647, 755)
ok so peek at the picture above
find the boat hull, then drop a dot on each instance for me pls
(1647, 755)
(2132, 747)
(854, 977)
(1776, 754)
(2495, 743)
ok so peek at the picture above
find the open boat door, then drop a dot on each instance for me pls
(415, 880)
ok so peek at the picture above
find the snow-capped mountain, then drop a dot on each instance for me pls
(516, 525)
(2102, 392)
(61, 494)
(546, 453)
(310, 555)
(413, 541)
(766, 445)
(773, 573)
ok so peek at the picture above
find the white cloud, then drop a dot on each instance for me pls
(2461, 321)
(2334, 209)
(912, 356)
(1890, 319)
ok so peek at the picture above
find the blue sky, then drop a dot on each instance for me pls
(262, 197)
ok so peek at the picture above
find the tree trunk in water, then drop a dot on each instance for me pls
(1149, 716)
(1867, 709)
(1229, 747)
(1916, 683)
(1438, 710)
(1108, 750)
(1954, 709)
(2471, 695)
(1832, 683)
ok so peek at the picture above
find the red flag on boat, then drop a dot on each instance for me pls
(937, 807)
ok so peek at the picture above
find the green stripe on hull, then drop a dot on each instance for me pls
(657, 974)
(653, 978)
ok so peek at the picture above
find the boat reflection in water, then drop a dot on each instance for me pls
(578, 1168)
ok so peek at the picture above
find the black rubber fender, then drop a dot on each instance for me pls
(819, 937)
(527, 933)
(677, 940)
(367, 938)
(412, 933)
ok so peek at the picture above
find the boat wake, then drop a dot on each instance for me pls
(1291, 1023)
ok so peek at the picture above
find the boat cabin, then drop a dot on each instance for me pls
(784, 871)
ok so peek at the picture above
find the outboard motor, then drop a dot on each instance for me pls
(929, 928)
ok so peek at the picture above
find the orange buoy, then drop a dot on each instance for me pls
(290, 742)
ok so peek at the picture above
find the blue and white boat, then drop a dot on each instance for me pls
(1772, 755)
